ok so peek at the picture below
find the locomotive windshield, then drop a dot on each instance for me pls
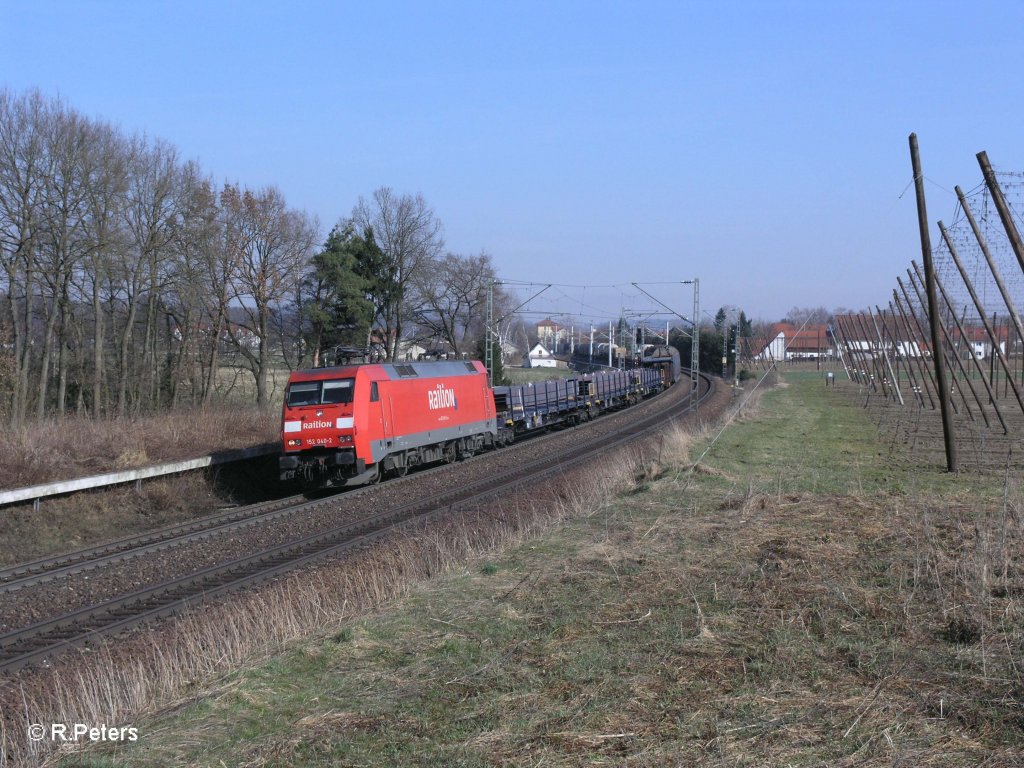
(331, 392)
(339, 391)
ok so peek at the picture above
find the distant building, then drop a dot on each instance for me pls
(978, 340)
(539, 357)
(550, 333)
(860, 340)
(786, 342)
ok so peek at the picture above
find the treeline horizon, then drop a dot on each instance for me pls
(130, 278)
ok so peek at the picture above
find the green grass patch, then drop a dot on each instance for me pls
(517, 375)
(807, 438)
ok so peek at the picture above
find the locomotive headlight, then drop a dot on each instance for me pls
(294, 443)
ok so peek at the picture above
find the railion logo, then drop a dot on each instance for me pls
(317, 425)
(442, 397)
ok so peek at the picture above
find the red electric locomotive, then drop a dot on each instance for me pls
(356, 424)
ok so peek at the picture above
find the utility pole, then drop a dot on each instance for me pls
(488, 335)
(610, 344)
(725, 351)
(734, 348)
(695, 346)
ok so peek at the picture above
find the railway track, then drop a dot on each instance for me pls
(41, 641)
(57, 566)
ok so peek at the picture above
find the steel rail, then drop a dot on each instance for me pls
(65, 564)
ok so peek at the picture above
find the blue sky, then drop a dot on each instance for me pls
(759, 146)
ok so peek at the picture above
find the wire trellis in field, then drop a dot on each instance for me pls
(974, 283)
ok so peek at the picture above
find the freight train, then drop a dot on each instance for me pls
(357, 424)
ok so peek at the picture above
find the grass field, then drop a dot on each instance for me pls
(797, 599)
(517, 375)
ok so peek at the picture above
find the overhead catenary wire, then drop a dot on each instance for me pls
(586, 311)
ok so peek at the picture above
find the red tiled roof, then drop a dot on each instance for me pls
(977, 333)
(810, 337)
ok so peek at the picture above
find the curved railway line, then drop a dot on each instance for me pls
(43, 640)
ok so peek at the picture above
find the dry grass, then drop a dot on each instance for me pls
(62, 524)
(677, 442)
(80, 447)
(749, 399)
(770, 632)
(119, 683)
(74, 447)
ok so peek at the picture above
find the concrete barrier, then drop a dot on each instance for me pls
(37, 492)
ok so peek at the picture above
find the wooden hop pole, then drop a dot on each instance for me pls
(933, 314)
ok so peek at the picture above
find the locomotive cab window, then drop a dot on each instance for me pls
(337, 392)
(334, 392)
(304, 393)
(374, 392)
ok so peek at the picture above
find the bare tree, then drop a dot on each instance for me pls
(63, 243)
(190, 289)
(22, 183)
(449, 298)
(109, 172)
(809, 315)
(220, 259)
(409, 236)
(149, 218)
(275, 245)
(118, 264)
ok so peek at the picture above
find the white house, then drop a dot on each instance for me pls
(539, 357)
